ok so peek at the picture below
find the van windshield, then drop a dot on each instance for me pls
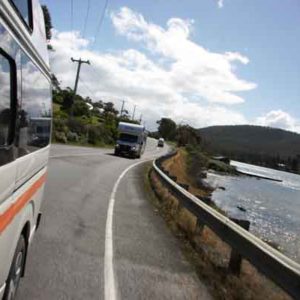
(124, 137)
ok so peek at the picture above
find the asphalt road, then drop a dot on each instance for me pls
(100, 236)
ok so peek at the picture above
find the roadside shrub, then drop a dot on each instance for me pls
(60, 114)
(60, 125)
(72, 136)
(77, 126)
(93, 135)
(196, 159)
(99, 135)
(60, 137)
(222, 167)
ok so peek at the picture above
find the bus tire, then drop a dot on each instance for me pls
(16, 270)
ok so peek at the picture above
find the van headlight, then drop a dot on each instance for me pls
(133, 148)
(117, 146)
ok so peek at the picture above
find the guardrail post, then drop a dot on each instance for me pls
(235, 261)
(166, 172)
(206, 199)
(174, 178)
(185, 186)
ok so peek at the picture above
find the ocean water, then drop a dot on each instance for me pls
(273, 208)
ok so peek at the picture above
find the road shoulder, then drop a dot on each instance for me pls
(148, 261)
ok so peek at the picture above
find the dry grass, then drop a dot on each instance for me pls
(177, 166)
(205, 250)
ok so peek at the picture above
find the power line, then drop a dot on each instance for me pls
(86, 86)
(99, 78)
(96, 73)
(100, 21)
(86, 17)
(72, 15)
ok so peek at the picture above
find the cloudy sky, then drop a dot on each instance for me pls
(199, 62)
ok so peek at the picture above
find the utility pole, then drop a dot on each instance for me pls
(141, 118)
(122, 109)
(133, 112)
(80, 62)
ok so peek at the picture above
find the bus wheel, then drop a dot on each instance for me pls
(16, 270)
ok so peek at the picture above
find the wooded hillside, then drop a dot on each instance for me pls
(256, 144)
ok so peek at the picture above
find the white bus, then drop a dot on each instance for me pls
(25, 130)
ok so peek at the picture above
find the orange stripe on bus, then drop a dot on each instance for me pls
(14, 209)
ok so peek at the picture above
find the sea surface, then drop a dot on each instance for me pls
(273, 208)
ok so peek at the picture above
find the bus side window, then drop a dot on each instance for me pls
(24, 9)
(36, 109)
(7, 86)
(5, 90)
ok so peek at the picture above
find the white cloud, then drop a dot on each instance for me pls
(173, 77)
(192, 68)
(220, 3)
(279, 119)
(72, 40)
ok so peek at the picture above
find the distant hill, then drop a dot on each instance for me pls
(256, 144)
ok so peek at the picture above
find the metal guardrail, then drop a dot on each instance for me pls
(273, 264)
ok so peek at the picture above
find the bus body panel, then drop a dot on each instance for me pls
(7, 182)
(28, 213)
(28, 165)
(38, 34)
(28, 199)
(10, 237)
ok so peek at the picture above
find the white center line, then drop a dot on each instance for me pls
(110, 282)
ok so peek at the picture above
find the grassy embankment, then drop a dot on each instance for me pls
(205, 250)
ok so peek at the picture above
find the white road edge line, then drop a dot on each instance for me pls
(110, 290)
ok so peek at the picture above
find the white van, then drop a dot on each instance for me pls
(161, 142)
(25, 130)
(131, 140)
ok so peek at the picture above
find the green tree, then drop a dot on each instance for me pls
(99, 104)
(80, 108)
(110, 108)
(55, 82)
(67, 96)
(187, 135)
(48, 22)
(167, 128)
